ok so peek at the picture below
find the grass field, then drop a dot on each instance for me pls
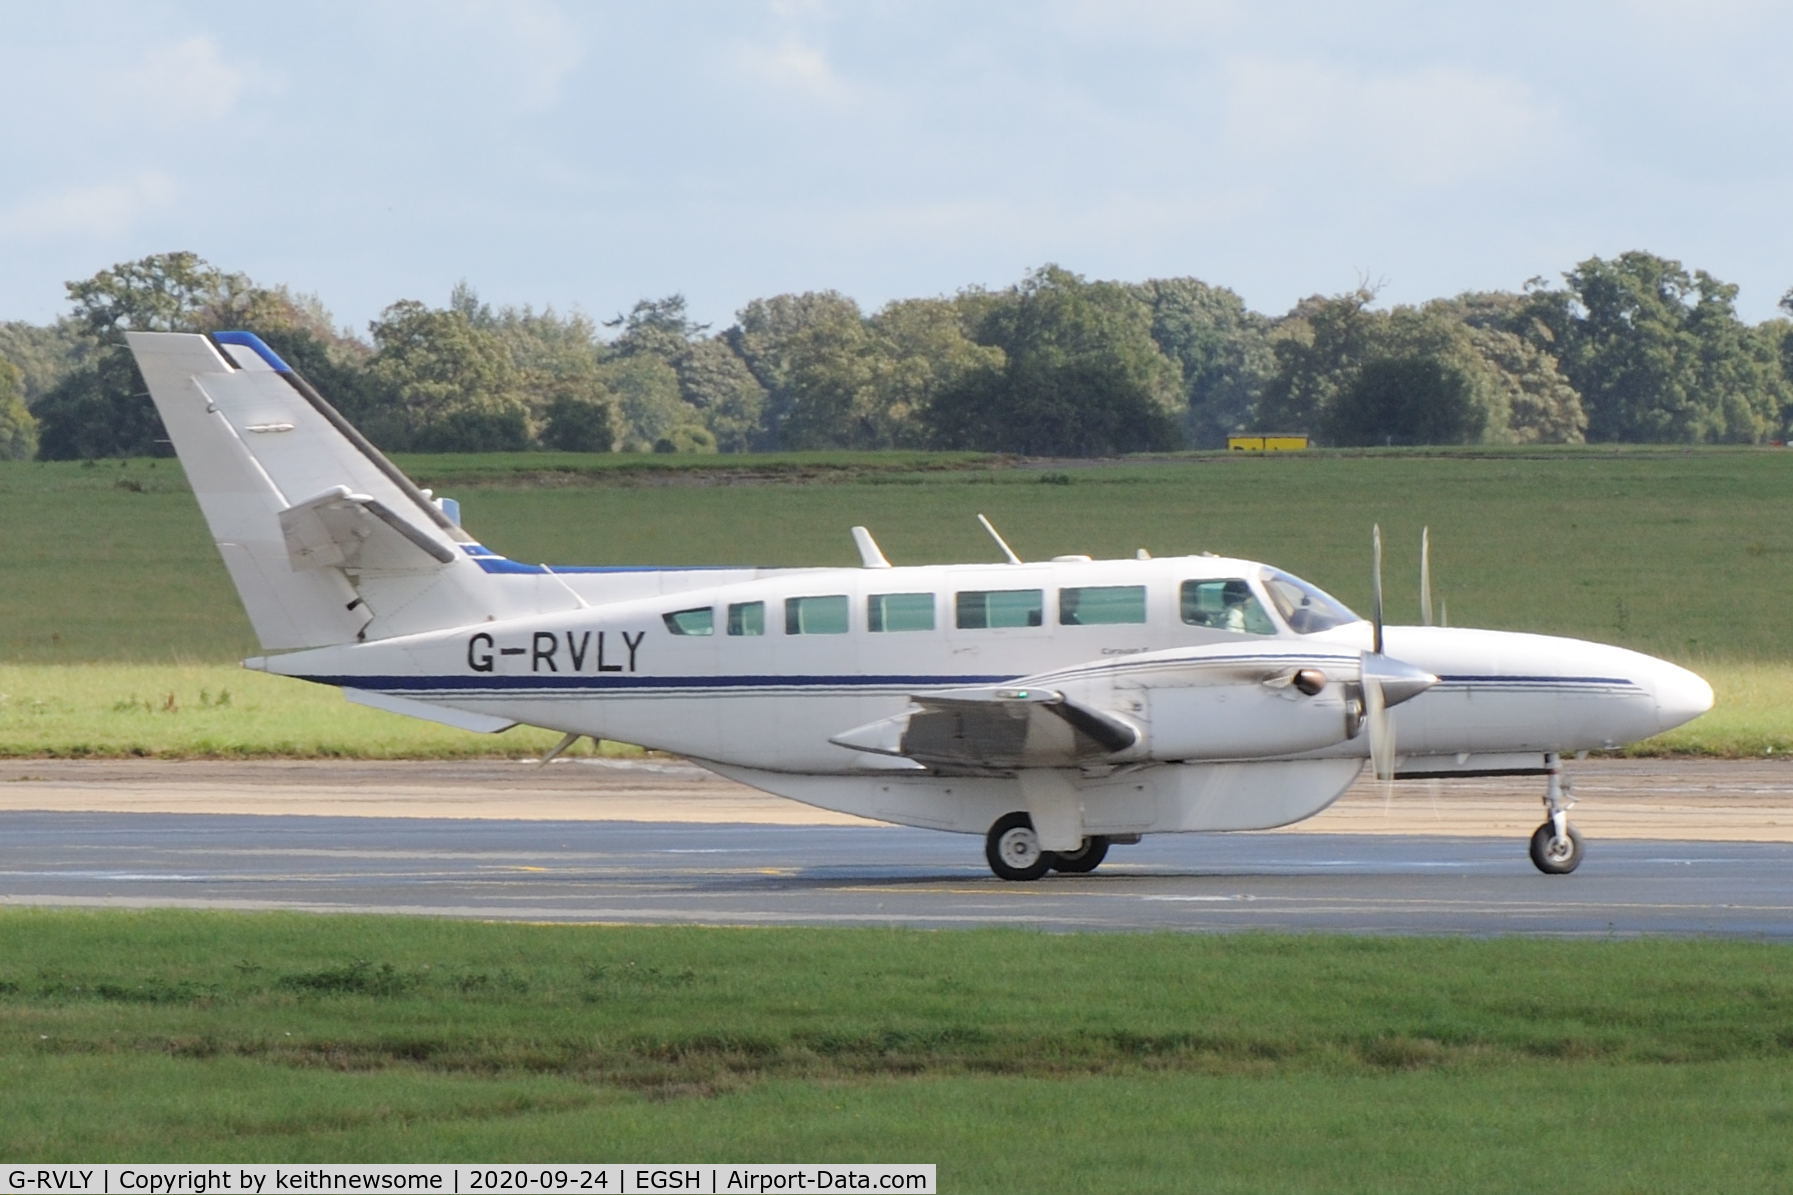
(1679, 553)
(200, 711)
(1134, 1062)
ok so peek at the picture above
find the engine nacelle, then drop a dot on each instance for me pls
(1241, 702)
(1240, 720)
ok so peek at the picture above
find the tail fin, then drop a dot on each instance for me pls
(326, 540)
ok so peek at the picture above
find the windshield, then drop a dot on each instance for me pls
(1304, 607)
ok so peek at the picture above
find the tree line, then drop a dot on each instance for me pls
(1632, 349)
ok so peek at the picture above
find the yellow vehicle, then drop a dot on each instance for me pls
(1266, 443)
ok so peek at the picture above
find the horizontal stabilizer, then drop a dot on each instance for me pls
(338, 529)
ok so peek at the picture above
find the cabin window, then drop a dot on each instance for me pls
(700, 620)
(747, 618)
(1225, 605)
(899, 612)
(816, 615)
(976, 609)
(1101, 605)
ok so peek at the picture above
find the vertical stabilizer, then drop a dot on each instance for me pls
(326, 540)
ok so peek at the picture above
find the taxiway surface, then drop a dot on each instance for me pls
(1674, 848)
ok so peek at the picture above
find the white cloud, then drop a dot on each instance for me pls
(1150, 20)
(497, 58)
(1433, 126)
(799, 10)
(794, 66)
(1701, 19)
(531, 42)
(179, 83)
(102, 210)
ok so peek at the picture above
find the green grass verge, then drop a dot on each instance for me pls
(1134, 1062)
(1675, 552)
(199, 711)
(1752, 715)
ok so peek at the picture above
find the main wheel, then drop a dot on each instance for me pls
(1085, 858)
(1013, 849)
(1556, 856)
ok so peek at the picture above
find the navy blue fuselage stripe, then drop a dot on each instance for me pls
(586, 681)
(1538, 680)
(454, 683)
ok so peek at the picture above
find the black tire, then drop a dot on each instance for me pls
(1083, 860)
(1556, 856)
(1013, 849)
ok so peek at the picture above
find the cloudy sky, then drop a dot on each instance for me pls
(589, 153)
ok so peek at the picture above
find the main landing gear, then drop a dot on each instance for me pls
(1556, 845)
(1013, 850)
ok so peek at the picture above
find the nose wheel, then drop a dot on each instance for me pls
(1556, 845)
(1556, 854)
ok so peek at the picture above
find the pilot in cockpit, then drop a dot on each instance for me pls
(1225, 605)
(1233, 597)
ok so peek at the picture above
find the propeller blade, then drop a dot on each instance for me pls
(1384, 683)
(1425, 576)
(1376, 588)
(1379, 728)
(1382, 739)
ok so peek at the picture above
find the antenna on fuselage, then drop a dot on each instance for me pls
(574, 593)
(1000, 542)
(870, 555)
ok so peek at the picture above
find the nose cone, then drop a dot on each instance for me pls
(1681, 696)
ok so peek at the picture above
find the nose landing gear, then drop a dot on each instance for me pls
(1556, 845)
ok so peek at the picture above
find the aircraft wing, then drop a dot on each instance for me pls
(997, 728)
(1215, 702)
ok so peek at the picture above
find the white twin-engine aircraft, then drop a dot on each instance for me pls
(1055, 708)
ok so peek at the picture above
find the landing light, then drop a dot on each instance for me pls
(1042, 695)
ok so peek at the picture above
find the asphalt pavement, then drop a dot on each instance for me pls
(634, 872)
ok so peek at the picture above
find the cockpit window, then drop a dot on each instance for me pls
(1224, 605)
(1304, 607)
(698, 621)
